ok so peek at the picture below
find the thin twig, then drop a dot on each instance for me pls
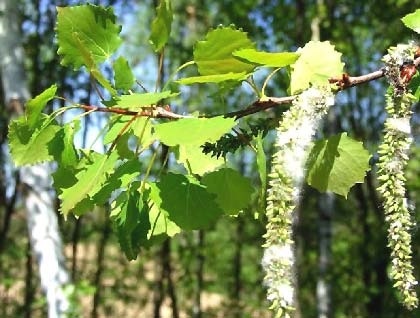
(342, 83)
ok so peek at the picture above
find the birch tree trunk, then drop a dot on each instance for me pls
(37, 194)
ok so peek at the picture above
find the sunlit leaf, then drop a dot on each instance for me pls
(138, 100)
(35, 105)
(267, 59)
(89, 181)
(161, 25)
(412, 21)
(217, 78)
(88, 25)
(194, 160)
(193, 131)
(318, 62)
(30, 146)
(336, 164)
(213, 55)
(123, 76)
(187, 202)
(233, 191)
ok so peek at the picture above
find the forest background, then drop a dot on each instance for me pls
(341, 243)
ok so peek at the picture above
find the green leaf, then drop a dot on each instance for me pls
(121, 178)
(122, 147)
(161, 224)
(123, 76)
(90, 64)
(267, 59)
(233, 191)
(30, 146)
(217, 78)
(131, 222)
(89, 181)
(318, 61)
(142, 129)
(193, 131)
(89, 26)
(117, 124)
(187, 202)
(35, 105)
(161, 25)
(336, 164)
(194, 160)
(412, 21)
(214, 54)
(66, 153)
(138, 100)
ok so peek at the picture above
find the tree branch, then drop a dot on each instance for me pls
(342, 83)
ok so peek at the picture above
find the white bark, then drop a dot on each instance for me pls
(38, 197)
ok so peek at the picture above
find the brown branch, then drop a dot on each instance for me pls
(342, 83)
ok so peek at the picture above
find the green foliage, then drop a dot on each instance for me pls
(233, 191)
(138, 100)
(32, 145)
(131, 221)
(318, 61)
(149, 197)
(90, 179)
(216, 78)
(412, 21)
(193, 131)
(35, 106)
(213, 55)
(161, 25)
(265, 58)
(87, 35)
(123, 76)
(336, 164)
(187, 202)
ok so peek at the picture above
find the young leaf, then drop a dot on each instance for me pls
(266, 59)
(336, 164)
(35, 105)
(412, 21)
(193, 158)
(123, 76)
(89, 181)
(161, 25)
(217, 78)
(193, 131)
(91, 26)
(187, 202)
(138, 100)
(214, 54)
(233, 191)
(30, 146)
(318, 61)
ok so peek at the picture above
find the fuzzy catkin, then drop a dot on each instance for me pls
(294, 136)
(393, 158)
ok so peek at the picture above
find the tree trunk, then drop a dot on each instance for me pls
(37, 195)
